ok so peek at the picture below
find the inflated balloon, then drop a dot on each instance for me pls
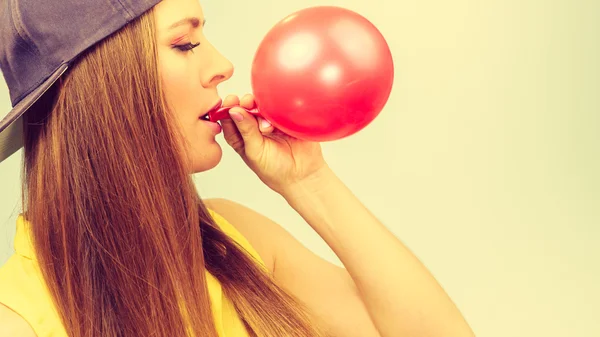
(321, 74)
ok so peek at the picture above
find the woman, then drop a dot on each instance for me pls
(115, 241)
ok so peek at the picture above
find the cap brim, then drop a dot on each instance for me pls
(11, 126)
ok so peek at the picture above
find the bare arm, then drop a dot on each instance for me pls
(327, 290)
(401, 296)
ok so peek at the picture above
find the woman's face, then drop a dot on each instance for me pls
(190, 77)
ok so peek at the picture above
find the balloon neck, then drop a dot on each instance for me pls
(223, 113)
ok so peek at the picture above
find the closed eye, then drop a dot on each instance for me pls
(186, 47)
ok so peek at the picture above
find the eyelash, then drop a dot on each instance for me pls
(186, 47)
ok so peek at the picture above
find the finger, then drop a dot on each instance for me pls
(265, 126)
(247, 125)
(232, 135)
(248, 101)
(231, 100)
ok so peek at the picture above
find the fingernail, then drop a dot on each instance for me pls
(264, 123)
(236, 116)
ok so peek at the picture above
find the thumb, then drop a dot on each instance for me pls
(247, 125)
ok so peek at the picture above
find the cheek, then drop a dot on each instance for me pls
(183, 93)
(179, 85)
(176, 84)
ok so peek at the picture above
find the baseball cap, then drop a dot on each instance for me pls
(38, 42)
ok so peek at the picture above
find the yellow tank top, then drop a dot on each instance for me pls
(22, 288)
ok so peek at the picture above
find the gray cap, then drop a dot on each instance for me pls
(38, 42)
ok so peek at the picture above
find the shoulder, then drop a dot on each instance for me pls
(13, 325)
(262, 233)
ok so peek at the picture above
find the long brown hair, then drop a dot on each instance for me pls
(122, 238)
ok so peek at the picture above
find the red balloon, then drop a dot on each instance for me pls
(322, 73)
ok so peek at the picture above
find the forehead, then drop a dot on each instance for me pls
(168, 12)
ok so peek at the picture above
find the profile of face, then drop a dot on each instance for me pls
(190, 69)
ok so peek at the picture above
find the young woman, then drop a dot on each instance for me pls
(115, 241)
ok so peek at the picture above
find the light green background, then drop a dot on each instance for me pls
(485, 162)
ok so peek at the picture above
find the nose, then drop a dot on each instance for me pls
(219, 68)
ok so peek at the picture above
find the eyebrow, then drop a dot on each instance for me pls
(193, 21)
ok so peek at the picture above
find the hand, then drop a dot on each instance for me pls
(278, 159)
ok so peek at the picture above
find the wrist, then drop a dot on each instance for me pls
(310, 186)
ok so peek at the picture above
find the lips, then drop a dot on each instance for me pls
(215, 107)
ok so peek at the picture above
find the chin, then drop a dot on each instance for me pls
(207, 158)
